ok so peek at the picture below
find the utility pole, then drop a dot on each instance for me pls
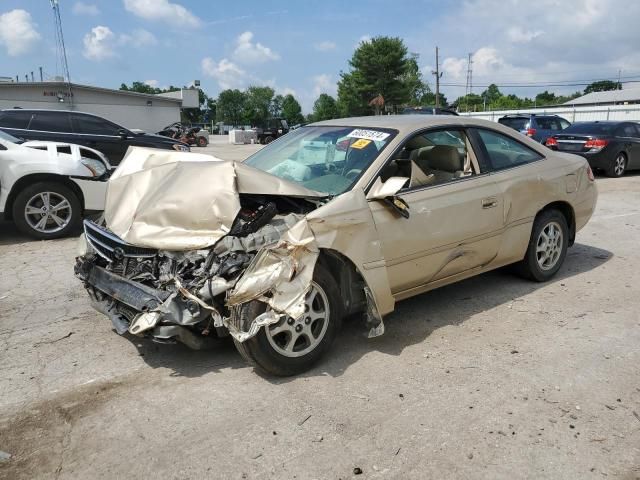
(32, 80)
(469, 85)
(41, 78)
(437, 73)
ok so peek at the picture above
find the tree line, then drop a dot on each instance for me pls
(383, 77)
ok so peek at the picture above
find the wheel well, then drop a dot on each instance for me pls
(23, 182)
(567, 210)
(350, 282)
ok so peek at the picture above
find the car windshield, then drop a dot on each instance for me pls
(591, 128)
(325, 159)
(9, 138)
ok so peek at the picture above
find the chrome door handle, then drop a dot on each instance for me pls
(489, 202)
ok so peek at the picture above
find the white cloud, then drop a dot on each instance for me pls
(152, 83)
(248, 52)
(520, 35)
(162, 10)
(81, 8)
(18, 32)
(227, 73)
(325, 46)
(139, 38)
(323, 84)
(99, 43)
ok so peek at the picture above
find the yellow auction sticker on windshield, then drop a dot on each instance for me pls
(369, 134)
(359, 144)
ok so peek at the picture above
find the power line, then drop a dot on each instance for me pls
(534, 85)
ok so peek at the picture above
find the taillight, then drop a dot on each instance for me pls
(596, 144)
(551, 142)
(590, 174)
(531, 132)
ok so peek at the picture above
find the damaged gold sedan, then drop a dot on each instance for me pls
(336, 218)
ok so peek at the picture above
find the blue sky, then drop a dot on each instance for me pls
(301, 46)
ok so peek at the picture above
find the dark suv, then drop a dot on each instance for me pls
(83, 129)
(538, 127)
(428, 111)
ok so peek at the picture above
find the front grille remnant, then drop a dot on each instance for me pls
(110, 247)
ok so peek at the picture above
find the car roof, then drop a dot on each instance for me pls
(406, 123)
(9, 110)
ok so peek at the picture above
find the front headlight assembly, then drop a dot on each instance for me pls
(96, 167)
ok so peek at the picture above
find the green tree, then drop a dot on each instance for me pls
(291, 110)
(381, 66)
(258, 104)
(602, 86)
(491, 94)
(412, 79)
(428, 99)
(325, 108)
(546, 98)
(231, 107)
(276, 106)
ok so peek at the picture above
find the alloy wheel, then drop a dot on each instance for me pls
(48, 212)
(297, 337)
(549, 246)
(619, 165)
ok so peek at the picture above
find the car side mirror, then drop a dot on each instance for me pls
(387, 192)
(381, 190)
(123, 133)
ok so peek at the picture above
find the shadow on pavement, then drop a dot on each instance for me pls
(410, 324)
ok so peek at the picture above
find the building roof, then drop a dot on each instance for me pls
(65, 85)
(611, 96)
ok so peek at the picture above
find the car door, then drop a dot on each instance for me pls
(629, 135)
(454, 220)
(100, 134)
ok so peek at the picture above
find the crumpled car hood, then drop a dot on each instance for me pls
(183, 201)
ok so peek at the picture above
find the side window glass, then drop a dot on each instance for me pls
(505, 152)
(15, 119)
(564, 124)
(432, 158)
(637, 134)
(50, 122)
(628, 130)
(89, 125)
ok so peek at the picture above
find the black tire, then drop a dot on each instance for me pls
(202, 141)
(259, 352)
(23, 197)
(530, 267)
(618, 166)
(268, 140)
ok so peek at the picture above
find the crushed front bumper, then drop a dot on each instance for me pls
(132, 307)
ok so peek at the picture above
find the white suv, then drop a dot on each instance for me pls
(45, 187)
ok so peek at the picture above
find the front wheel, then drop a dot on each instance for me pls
(268, 140)
(547, 247)
(202, 142)
(618, 167)
(292, 346)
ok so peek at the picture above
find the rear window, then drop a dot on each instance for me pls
(548, 123)
(591, 128)
(515, 123)
(15, 119)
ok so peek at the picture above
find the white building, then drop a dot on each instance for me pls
(130, 109)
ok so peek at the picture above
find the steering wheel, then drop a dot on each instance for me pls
(353, 174)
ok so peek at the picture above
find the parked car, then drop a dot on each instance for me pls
(271, 129)
(428, 111)
(81, 129)
(613, 147)
(45, 187)
(277, 249)
(538, 127)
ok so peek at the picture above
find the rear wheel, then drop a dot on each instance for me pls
(292, 346)
(268, 140)
(547, 247)
(46, 210)
(618, 166)
(202, 141)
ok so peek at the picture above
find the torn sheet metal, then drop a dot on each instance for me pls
(284, 269)
(183, 201)
(267, 318)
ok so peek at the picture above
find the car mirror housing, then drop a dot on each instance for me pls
(123, 133)
(381, 190)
